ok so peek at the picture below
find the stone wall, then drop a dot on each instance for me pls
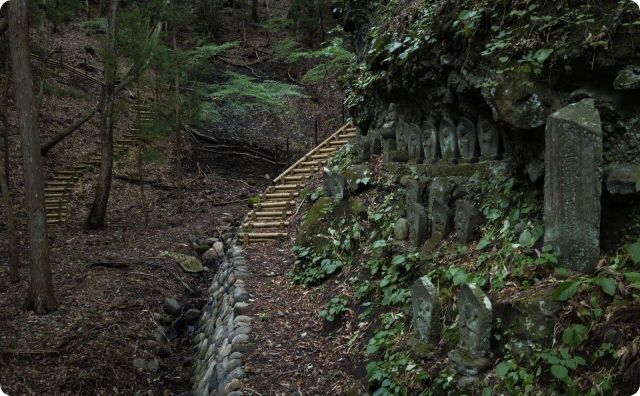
(224, 328)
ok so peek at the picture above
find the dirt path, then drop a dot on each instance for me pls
(296, 352)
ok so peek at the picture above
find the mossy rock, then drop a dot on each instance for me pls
(357, 172)
(314, 223)
(253, 201)
(322, 214)
(358, 207)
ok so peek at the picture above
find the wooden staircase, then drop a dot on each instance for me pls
(271, 215)
(58, 189)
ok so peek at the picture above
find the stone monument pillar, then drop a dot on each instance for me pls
(573, 184)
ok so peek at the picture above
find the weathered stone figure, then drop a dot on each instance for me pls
(448, 140)
(390, 123)
(474, 327)
(467, 140)
(488, 139)
(426, 311)
(441, 214)
(375, 142)
(430, 142)
(363, 147)
(414, 144)
(402, 135)
(573, 184)
(334, 184)
(418, 224)
(467, 220)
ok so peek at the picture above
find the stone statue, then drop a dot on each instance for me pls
(467, 140)
(430, 142)
(488, 139)
(448, 140)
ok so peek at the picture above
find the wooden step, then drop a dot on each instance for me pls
(305, 170)
(348, 135)
(280, 195)
(327, 150)
(312, 163)
(286, 187)
(274, 204)
(66, 172)
(319, 156)
(269, 213)
(267, 224)
(263, 235)
(60, 183)
(338, 142)
(56, 189)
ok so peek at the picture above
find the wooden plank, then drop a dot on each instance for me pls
(266, 235)
(348, 136)
(266, 213)
(280, 195)
(276, 204)
(281, 187)
(268, 224)
(339, 142)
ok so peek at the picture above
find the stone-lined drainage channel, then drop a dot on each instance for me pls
(223, 330)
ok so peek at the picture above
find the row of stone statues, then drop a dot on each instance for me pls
(464, 141)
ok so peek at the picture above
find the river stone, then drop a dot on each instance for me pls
(186, 262)
(425, 307)
(430, 143)
(623, 179)
(219, 247)
(467, 221)
(628, 78)
(474, 329)
(401, 229)
(192, 314)
(467, 140)
(448, 140)
(573, 184)
(488, 139)
(172, 306)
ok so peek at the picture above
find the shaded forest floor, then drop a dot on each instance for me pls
(108, 317)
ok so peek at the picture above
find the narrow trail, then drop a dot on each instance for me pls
(296, 351)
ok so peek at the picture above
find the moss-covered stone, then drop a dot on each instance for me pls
(314, 223)
(358, 207)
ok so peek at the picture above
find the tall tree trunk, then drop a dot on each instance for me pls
(254, 10)
(12, 239)
(99, 208)
(178, 133)
(41, 297)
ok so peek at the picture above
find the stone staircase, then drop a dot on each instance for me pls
(270, 216)
(58, 190)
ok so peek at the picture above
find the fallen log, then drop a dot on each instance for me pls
(82, 118)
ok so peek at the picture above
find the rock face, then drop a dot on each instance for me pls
(363, 147)
(623, 179)
(573, 184)
(425, 308)
(474, 326)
